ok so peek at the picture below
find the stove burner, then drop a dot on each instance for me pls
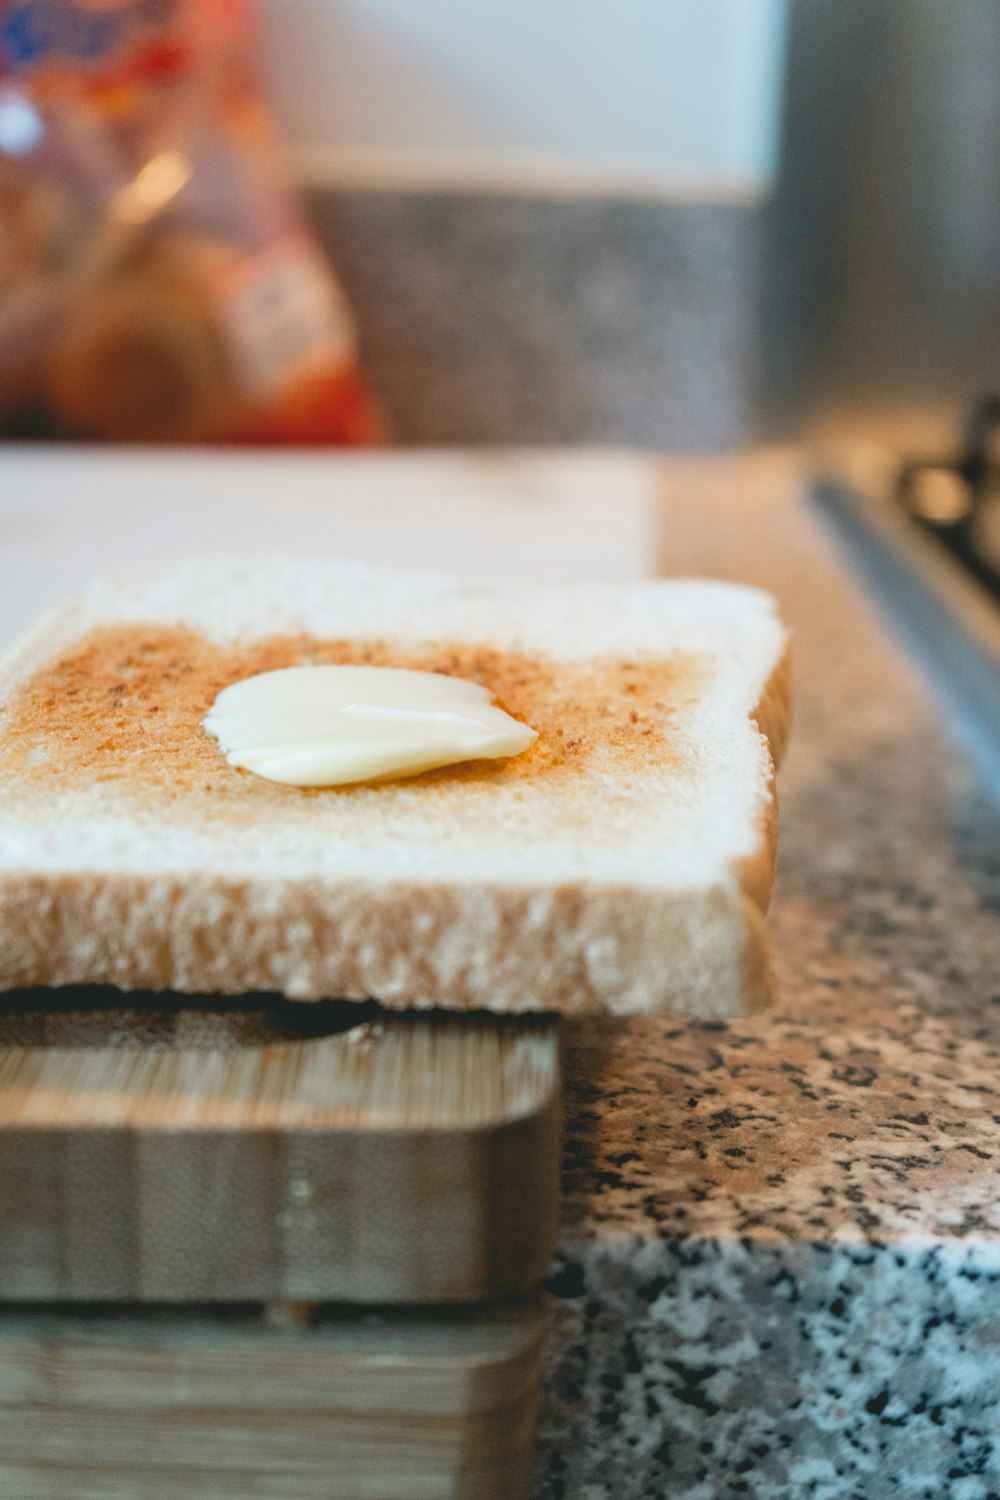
(957, 500)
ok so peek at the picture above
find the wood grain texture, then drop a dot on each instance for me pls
(167, 1406)
(406, 1159)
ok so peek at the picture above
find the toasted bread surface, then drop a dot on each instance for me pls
(623, 862)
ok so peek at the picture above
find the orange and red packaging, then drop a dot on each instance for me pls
(157, 280)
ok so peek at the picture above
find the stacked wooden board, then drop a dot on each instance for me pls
(259, 1250)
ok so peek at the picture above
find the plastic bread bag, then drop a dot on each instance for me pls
(157, 282)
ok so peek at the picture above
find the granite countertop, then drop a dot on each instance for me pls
(780, 1266)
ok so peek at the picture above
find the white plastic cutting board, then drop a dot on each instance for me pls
(67, 513)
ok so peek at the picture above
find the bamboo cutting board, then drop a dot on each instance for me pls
(159, 1406)
(270, 1152)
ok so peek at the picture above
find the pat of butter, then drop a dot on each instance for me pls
(331, 726)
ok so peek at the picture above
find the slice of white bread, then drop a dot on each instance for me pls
(622, 863)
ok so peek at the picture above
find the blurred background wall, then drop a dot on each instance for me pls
(882, 296)
(676, 224)
(548, 216)
(654, 92)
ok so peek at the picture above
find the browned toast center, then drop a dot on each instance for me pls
(124, 706)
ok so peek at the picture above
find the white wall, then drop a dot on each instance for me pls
(664, 91)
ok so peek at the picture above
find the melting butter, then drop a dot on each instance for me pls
(332, 726)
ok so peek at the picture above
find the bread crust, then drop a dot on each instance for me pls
(567, 948)
(773, 717)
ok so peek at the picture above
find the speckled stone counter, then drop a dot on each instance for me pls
(780, 1265)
